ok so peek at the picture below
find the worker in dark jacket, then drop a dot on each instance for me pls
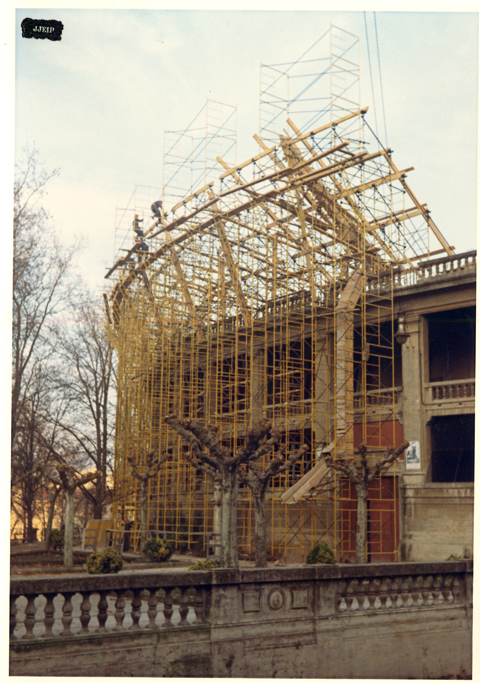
(157, 209)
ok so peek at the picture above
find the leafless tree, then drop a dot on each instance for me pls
(209, 455)
(257, 480)
(150, 470)
(42, 285)
(361, 473)
(88, 380)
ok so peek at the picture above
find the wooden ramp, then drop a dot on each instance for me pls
(309, 480)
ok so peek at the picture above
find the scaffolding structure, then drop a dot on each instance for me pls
(272, 296)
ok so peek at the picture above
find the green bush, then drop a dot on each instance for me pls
(453, 558)
(321, 553)
(204, 564)
(56, 539)
(108, 561)
(158, 549)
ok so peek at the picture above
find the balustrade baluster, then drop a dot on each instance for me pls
(85, 607)
(136, 608)
(455, 589)
(152, 608)
(349, 595)
(407, 599)
(168, 609)
(102, 615)
(373, 591)
(49, 611)
(120, 610)
(447, 592)
(341, 604)
(436, 592)
(395, 592)
(427, 592)
(13, 614)
(363, 602)
(416, 591)
(67, 609)
(183, 609)
(420, 594)
(30, 610)
(383, 593)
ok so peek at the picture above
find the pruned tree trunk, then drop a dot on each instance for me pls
(229, 519)
(69, 482)
(143, 512)
(361, 474)
(68, 537)
(362, 524)
(260, 533)
(152, 465)
(51, 512)
(217, 515)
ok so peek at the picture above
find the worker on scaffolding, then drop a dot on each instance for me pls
(136, 225)
(141, 246)
(157, 210)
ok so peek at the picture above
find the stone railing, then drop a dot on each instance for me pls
(379, 397)
(399, 592)
(43, 608)
(454, 390)
(288, 622)
(448, 266)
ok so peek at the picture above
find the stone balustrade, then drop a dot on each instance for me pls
(378, 397)
(399, 592)
(104, 604)
(413, 621)
(453, 390)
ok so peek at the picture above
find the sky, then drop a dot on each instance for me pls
(96, 103)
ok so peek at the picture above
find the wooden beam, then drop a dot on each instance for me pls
(192, 196)
(232, 266)
(183, 284)
(431, 224)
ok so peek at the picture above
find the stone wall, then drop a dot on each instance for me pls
(408, 620)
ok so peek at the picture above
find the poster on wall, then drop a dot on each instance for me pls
(412, 457)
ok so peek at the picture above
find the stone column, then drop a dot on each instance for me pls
(414, 366)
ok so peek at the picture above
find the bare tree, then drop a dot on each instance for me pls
(258, 479)
(42, 284)
(361, 474)
(69, 482)
(88, 381)
(150, 470)
(209, 455)
(33, 449)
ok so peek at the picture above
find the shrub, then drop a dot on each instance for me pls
(157, 549)
(204, 564)
(56, 539)
(321, 553)
(453, 558)
(108, 561)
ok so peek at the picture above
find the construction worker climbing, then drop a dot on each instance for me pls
(136, 225)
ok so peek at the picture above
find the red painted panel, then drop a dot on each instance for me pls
(383, 520)
(379, 434)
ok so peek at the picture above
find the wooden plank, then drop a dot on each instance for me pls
(308, 481)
